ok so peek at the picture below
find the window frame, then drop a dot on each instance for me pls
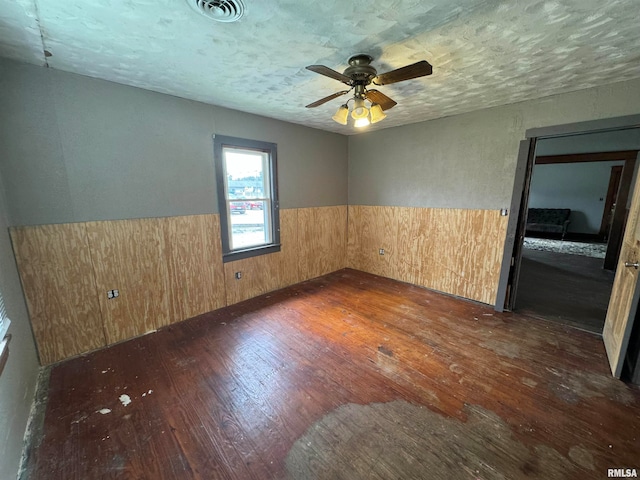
(220, 142)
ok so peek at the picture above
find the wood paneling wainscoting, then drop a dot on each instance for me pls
(169, 269)
(60, 289)
(128, 255)
(267, 272)
(314, 243)
(323, 247)
(165, 269)
(453, 251)
(194, 262)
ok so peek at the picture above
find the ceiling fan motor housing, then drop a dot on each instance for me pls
(360, 69)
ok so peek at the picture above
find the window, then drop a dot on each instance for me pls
(4, 320)
(247, 197)
(4, 338)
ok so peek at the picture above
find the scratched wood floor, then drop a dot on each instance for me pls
(347, 376)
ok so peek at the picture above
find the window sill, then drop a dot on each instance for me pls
(250, 252)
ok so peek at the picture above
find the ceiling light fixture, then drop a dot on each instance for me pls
(359, 109)
(361, 114)
(342, 115)
(361, 122)
(377, 113)
(358, 76)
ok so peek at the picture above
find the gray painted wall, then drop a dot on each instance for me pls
(582, 187)
(78, 149)
(18, 380)
(467, 161)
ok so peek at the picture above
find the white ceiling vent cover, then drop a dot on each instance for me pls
(219, 10)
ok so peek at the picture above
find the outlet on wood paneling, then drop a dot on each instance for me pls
(129, 255)
(370, 229)
(313, 244)
(449, 250)
(269, 272)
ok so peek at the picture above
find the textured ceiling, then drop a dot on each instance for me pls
(484, 52)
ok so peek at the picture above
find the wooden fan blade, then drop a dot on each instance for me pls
(381, 99)
(326, 99)
(415, 70)
(327, 72)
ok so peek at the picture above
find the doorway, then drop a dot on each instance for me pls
(573, 230)
(619, 320)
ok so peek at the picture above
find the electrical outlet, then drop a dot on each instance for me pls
(238, 275)
(112, 294)
(381, 251)
(504, 212)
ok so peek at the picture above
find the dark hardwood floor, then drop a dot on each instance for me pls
(569, 289)
(348, 376)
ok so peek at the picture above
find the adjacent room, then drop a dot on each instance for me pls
(577, 209)
(281, 240)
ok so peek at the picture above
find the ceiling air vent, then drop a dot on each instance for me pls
(219, 10)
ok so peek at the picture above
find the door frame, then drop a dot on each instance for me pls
(512, 253)
(610, 202)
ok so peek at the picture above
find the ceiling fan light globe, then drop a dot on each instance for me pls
(377, 113)
(359, 109)
(341, 115)
(361, 122)
(360, 113)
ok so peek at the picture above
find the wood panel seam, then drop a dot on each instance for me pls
(97, 293)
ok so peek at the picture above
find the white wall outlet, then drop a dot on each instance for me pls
(504, 212)
(381, 251)
(112, 294)
(238, 275)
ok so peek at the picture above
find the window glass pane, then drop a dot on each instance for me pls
(249, 225)
(247, 173)
(248, 192)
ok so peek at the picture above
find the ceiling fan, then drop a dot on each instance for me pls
(359, 75)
